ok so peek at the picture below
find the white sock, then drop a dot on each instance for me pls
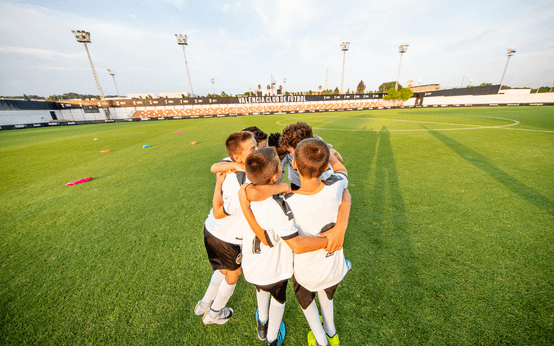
(223, 295)
(312, 316)
(276, 311)
(327, 312)
(263, 305)
(213, 287)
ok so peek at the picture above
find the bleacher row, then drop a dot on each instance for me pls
(248, 109)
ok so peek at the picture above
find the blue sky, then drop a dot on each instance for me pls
(242, 43)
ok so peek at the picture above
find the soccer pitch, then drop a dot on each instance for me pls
(450, 235)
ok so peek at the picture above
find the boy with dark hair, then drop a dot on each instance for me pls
(267, 254)
(223, 235)
(317, 207)
(291, 136)
(259, 135)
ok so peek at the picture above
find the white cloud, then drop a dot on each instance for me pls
(41, 53)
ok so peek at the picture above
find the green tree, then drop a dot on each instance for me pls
(406, 93)
(336, 91)
(386, 86)
(402, 94)
(361, 87)
(485, 84)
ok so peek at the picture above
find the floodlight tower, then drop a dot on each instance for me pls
(182, 41)
(401, 49)
(510, 53)
(345, 46)
(213, 86)
(84, 38)
(113, 76)
(284, 85)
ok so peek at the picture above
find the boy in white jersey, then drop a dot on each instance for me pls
(223, 234)
(222, 238)
(316, 207)
(291, 136)
(267, 256)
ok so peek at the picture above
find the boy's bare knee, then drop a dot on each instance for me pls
(233, 276)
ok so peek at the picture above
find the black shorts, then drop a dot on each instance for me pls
(277, 290)
(305, 297)
(222, 255)
(294, 187)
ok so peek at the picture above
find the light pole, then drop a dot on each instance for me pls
(182, 41)
(345, 46)
(213, 82)
(510, 53)
(113, 76)
(401, 49)
(470, 81)
(84, 38)
(284, 85)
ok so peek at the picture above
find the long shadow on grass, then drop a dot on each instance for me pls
(484, 164)
(396, 252)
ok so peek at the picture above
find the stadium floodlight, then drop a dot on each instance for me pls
(284, 85)
(213, 83)
(401, 49)
(510, 53)
(470, 81)
(182, 41)
(84, 38)
(113, 76)
(344, 47)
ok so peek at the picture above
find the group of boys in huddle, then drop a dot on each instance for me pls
(272, 232)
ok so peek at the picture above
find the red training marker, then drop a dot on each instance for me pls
(80, 181)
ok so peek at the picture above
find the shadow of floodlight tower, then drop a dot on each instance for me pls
(182, 41)
(510, 53)
(113, 76)
(401, 49)
(84, 38)
(345, 46)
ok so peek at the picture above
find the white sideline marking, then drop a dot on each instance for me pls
(470, 126)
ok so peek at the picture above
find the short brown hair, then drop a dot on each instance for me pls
(294, 133)
(259, 135)
(234, 141)
(312, 157)
(261, 165)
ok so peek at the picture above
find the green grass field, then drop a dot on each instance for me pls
(451, 232)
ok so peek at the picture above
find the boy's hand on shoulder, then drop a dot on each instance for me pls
(285, 188)
(220, 177)
(335, 236)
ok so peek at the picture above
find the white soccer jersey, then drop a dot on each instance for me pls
(264, 265)
(294, 177)
(229, 228)
(315, 214)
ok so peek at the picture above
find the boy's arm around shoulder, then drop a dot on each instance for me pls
(257, 193)
(223, 166)
(337, 165)
(301, 243)
(249, 215)
(336, 234)
(217, 202)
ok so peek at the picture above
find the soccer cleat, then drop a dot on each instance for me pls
(334, 341)
(261, 327)
(311, 339)
(201, 308)
(280, 336)
(222, 317)
(348, 264)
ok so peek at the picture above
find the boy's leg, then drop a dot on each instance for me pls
(312, 316)
(327, 312)
(307, 303)
(262, 317)
(211, 292)
(225, 291)
(276, 311)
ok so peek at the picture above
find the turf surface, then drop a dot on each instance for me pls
(451, 230)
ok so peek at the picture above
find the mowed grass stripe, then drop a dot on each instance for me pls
(450, 232)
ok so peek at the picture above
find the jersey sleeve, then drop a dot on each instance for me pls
(282, 219)
(230, 189)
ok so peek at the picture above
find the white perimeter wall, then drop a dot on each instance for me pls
(27, 117)
(485, 99)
